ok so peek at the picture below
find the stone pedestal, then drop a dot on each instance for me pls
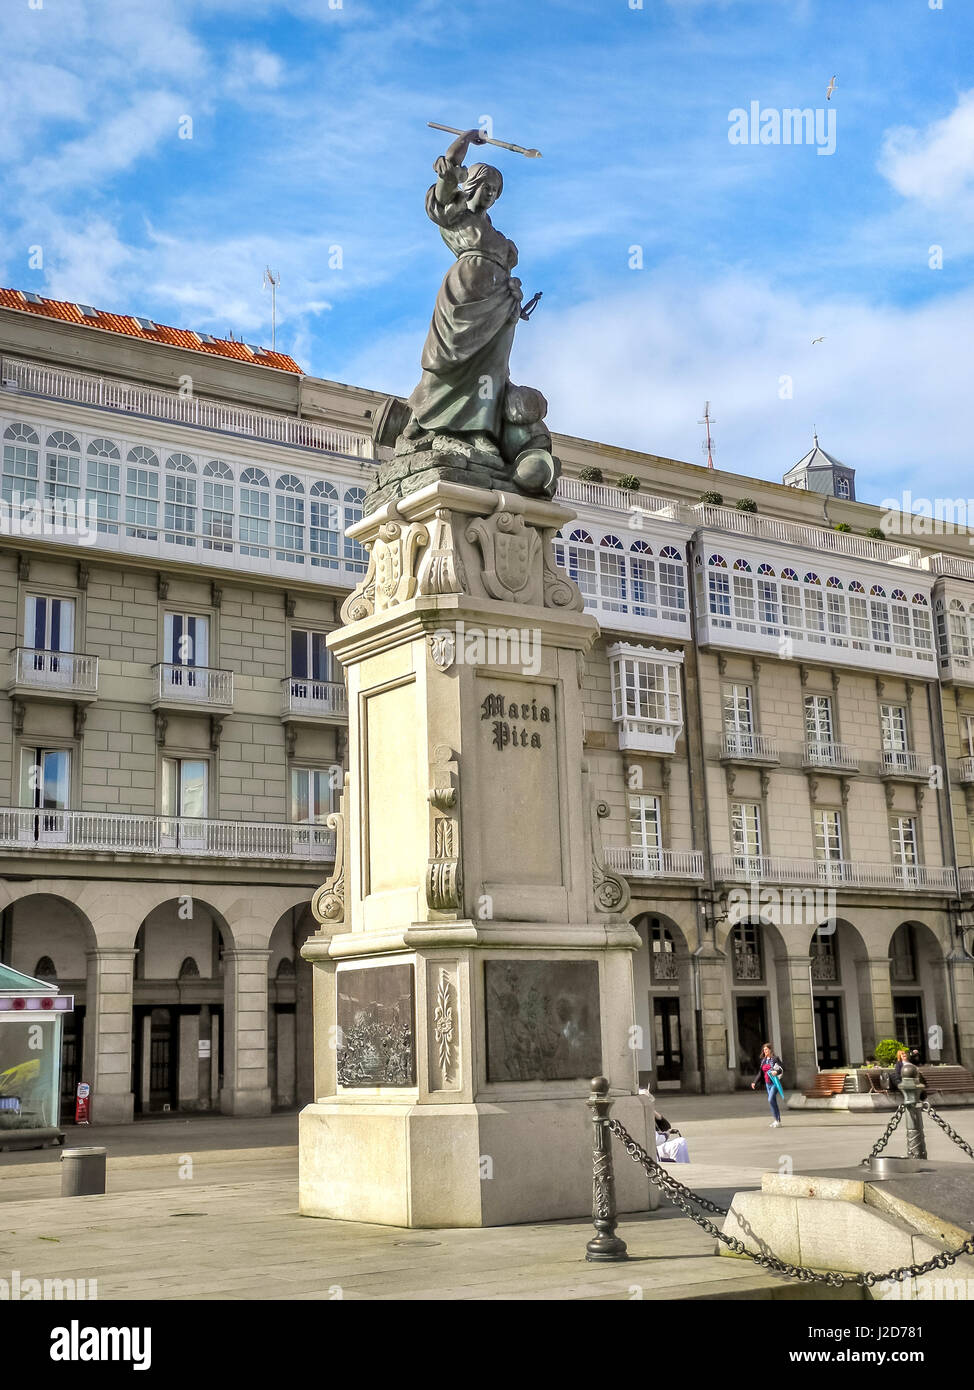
(473, 966)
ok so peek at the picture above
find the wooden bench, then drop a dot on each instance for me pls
(827, 1083)
(947, 1080)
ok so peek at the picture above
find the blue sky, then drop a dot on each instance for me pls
(308, 133)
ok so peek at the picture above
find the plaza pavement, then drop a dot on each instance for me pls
(226, 1225)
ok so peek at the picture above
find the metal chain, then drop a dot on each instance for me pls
(881, 1143)
(682, 1196)
(951, 1133)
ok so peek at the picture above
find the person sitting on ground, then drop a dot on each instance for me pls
(671, 1147)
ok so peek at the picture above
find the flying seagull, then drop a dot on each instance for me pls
(818, 340)
(828, 94)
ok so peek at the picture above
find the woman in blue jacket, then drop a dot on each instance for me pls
(770, 1069)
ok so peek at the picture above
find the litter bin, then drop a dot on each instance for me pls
(83, 1172)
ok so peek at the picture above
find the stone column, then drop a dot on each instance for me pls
(189, 1061)
(875, 1000)
(961, 976)
(108, 1034)
(245, 1089)
(711, 966)
(285, 1079)
(797, 1017)
(145, 1063)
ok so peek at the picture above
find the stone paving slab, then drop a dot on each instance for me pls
(249, 1242)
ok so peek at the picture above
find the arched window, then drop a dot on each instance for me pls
(836, 613)
(325, 525)
(743, 589)
(663, 964)
(718, 591)
(922, 629)
(355, 555)
(44, 970)
(960, 641)
(789, 574)
(142, 494)
(842, 488)
(900, 621)
(62, 468)
(103, 482)
(289, 519)
(285, 971)
(642, 579)
(672, 584)
(769, 611)
(581, 562)
(558, 549)
(612, 574)
(879, 618)
(20, 464)
(189, 970)
(255, 512)
(180, 508)
(814, 608)
(855, 587)
(791, 603)
(217, 506)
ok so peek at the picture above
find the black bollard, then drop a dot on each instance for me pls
(606, 1245)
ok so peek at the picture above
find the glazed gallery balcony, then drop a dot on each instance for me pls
(65, 675)
(111, 833)
(833, 873)
(640, 862)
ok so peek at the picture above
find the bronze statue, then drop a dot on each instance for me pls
(466, 421)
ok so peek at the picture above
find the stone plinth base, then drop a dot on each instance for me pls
(855, 1223)
(870, 1102)
(486, 1164)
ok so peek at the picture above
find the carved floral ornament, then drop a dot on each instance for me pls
(504, 555)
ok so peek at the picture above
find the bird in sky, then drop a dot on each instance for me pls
(828, 94)
(818, 340)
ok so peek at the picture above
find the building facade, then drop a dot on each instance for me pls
(779, 724)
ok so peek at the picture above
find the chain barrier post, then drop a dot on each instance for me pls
(606, 1245)
(916, 1144)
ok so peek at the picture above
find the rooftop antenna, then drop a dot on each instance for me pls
(708, 445)
(273, 280)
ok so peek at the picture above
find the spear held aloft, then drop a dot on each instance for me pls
(517, 149)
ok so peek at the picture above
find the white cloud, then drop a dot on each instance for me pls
(253, 66)
(935, 163)
(113, 146)
(635, 369)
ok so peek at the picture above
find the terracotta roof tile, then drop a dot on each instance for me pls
(126, 324)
